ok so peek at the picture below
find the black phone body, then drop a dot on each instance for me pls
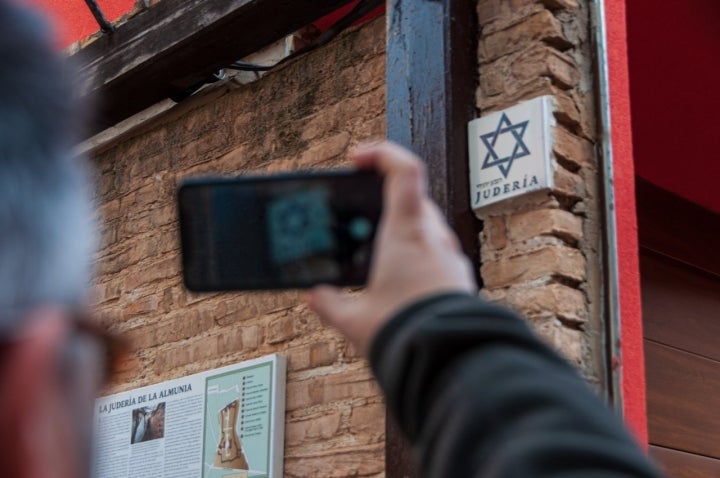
(282, 231)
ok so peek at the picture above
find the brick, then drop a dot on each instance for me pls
(163, 215)
(494, 232)
(506, 14)
(545, 222)
(350, 352)
(552, 300)
(494, 295)
(368, 418)
(140, 337)
(127, 369)
(569, 184)
(105, 292)
(488, 10)
(280, 329)
(141, 306)
(189, 352)
(573, 151)
(238, 309)
(567, 112)
(110, 210)
(313, 428)
(542, 26)
(171, 298)
(330, 388)
(350, 385)
(109, 315)
(142, 249)
(251, 337)
(571, 5)
(141, 197)
(568, 342)
(135, 224)
(169, 267)
(152, 164)
(322, 122)
(322, 354)
(209, 311)
(493, 81)
(229, 341)
(330, 148)
(109, 235)
(338, 460)
(541, 60)
(551, 261)
(184, 324)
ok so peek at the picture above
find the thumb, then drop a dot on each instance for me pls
(341, 311)
(329, 303)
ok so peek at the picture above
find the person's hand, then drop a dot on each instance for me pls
(415, 254)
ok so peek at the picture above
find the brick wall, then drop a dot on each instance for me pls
(304, 115)
(540, 252)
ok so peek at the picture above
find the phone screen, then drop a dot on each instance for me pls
(278, 232)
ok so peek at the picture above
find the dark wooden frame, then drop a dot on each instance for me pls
(431, 83)
(179, 43)
(677, 228)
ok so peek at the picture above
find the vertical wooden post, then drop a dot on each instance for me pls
(431, 82)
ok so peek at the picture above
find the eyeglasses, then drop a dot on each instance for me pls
(113, 351)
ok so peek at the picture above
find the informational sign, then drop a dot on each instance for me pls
(510, 152)
(223, 423)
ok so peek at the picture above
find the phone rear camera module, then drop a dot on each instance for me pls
(360, 228)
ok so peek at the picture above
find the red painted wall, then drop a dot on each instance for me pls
(674, 50)
(72, 19)
(632, 360)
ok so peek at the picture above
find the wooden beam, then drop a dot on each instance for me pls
(178, 43)
(431, 83)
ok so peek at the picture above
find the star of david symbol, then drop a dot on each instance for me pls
(519, 149)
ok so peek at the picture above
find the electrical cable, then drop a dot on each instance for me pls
(105, 25)
(362, 8)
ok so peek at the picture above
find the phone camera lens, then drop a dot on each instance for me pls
(360, 228)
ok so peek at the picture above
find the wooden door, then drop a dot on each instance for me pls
(680, 277)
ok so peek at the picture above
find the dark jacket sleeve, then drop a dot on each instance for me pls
(478, 395)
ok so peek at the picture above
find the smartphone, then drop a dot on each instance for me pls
(280, 231)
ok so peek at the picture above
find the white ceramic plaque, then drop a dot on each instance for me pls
(510, 152)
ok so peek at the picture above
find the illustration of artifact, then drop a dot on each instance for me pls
(229, 452)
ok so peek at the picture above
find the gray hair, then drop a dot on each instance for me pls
(46, 226)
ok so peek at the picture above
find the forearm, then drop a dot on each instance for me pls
(478, 395)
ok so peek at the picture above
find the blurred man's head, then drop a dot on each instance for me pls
(48, 370)
(45, 231)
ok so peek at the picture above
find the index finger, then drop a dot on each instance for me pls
(405, 182)
(386, 157)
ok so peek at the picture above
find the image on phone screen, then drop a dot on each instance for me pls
(278, 233)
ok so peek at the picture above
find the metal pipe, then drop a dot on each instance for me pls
(612, 273)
